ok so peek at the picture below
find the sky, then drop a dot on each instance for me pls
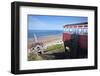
(47, 22)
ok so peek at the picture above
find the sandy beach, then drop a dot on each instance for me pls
(47, 40)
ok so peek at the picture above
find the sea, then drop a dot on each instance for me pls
(42, 33)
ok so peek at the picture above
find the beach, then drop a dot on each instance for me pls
(51, 45)
(46, 40)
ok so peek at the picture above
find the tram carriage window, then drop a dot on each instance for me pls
(82, 31)
(76, 30)
(68, 30)
(71, 30)
(85, 30)
(79, 30)
(65, 29)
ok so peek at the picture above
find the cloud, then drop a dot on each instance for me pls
(35, 24)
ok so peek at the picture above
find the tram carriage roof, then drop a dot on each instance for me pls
(77, 25)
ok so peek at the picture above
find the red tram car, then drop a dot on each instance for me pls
(75, 39)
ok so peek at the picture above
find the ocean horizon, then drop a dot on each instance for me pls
(42, 33)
